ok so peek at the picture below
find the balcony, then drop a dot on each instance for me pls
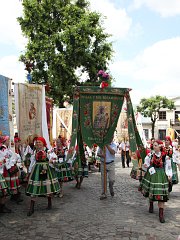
(175, 122)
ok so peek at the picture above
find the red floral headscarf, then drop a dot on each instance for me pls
(3, 139)
(42, 140)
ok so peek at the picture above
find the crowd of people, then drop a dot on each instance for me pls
(43, 171)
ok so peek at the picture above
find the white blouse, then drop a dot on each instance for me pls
(168, 168)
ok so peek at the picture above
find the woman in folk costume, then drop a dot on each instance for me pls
(42, 180)
(168, 149)
(11, 171)
(155, 181)
(3, 186)
(63, 169)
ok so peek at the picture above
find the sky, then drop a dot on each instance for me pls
(146, 43)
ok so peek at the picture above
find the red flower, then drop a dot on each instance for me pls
(104, 84)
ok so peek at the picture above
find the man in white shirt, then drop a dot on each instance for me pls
(109, 158)
(125, 147)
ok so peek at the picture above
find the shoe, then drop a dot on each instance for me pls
(103, 196)
(161, 215)
(151, 207)
(31, 210)
(112, 194)
(111, 188)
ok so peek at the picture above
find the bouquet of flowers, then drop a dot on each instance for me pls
(104, 77)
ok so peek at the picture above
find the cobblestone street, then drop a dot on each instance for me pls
(81, 215)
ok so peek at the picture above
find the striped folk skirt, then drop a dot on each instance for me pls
(43, 180)
(12, 180)
(80, 170)
(3, 186)
(64, 172)
(155, 186)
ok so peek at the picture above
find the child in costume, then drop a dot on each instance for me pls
(155, 182)
(3, 186)
(43, 179)
(11, 171)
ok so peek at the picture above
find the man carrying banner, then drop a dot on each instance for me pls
(108, 155)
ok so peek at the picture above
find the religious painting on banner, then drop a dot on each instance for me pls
(30, 110)
(64, 123)
(4, 106)
(99, 113)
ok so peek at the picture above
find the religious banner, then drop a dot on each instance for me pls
(29, 110)
(96, 112)
(4, 109)
(99, 114)
(64, 122)
(134, 137)
(49, 110)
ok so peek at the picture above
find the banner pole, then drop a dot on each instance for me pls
(105, 174)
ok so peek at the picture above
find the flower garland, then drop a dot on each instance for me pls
(104, 77)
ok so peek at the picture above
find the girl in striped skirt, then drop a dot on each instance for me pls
(154, 185)
(3, 186)
(11, 171)
(43, 179)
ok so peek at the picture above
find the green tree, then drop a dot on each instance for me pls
(150, 107)
(63, 36)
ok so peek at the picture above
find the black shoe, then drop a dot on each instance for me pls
(112, 194)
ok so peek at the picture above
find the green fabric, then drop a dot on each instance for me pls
(95, 115)
(134, 137)
(64, 173)
(3, 186)
(42, 184)
(99, 113)
(155, 186)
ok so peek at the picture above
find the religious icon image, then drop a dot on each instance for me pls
(32, 111)
(101, 114)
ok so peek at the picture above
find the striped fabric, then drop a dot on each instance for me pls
(12, 181)
(155, 186)
(64, 172)
(43, 180)
(3, 186)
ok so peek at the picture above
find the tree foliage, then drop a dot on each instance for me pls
(63, 36)
(150, 107)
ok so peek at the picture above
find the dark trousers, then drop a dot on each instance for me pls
(125, 155)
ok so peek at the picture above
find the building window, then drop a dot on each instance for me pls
(162, 134)
(162, 115)
(146, 133)
(177, 116)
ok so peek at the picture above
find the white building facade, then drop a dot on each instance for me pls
(167, 124)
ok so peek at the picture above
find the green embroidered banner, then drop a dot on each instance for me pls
(95, 114)
(134, 137)
(99, 114)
